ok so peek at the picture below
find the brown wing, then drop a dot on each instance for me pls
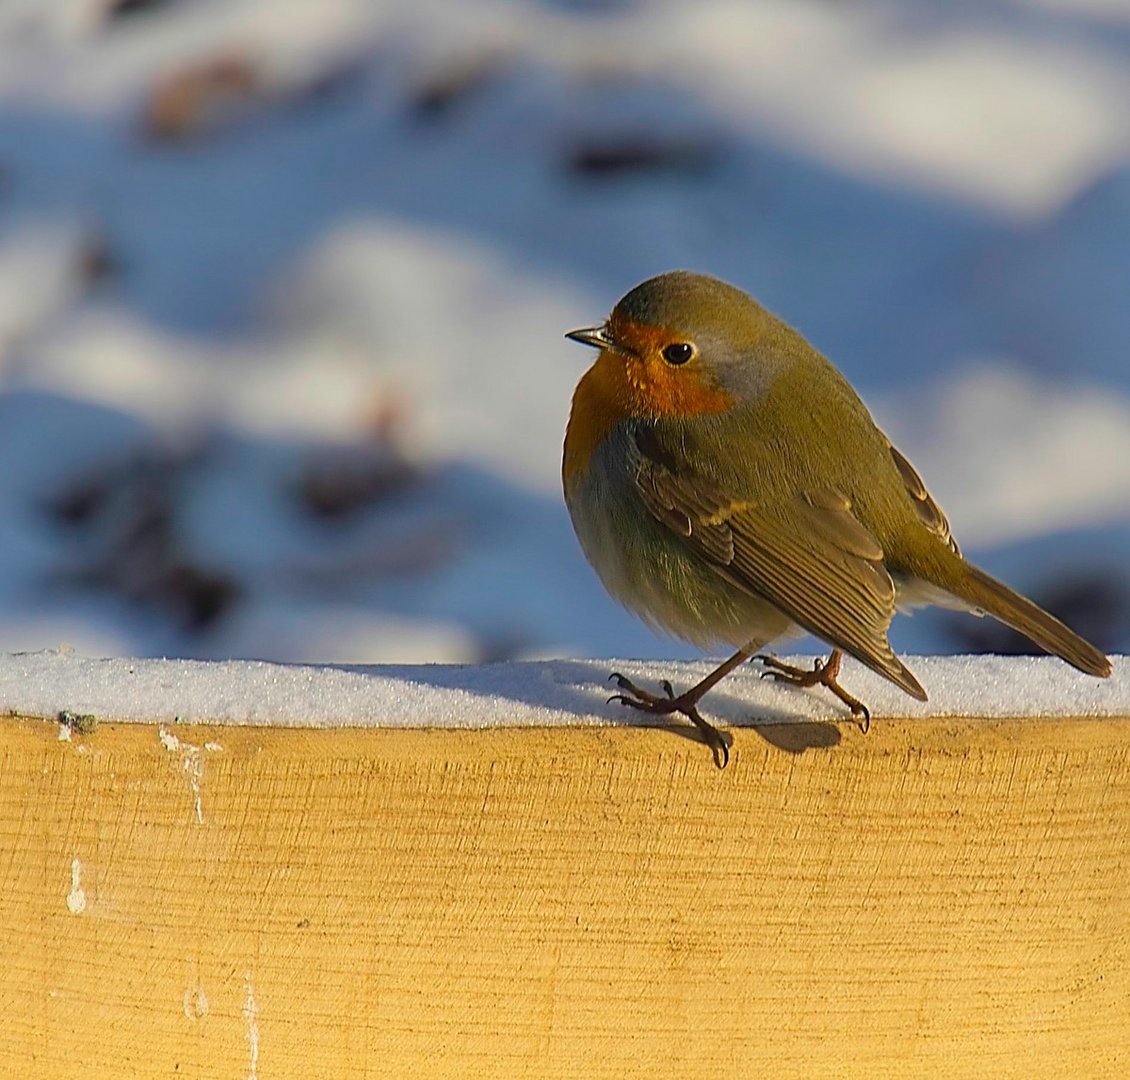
(810, 558)
(928, 510)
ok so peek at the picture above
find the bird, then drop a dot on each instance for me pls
(730, 487)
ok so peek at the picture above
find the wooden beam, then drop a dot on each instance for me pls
(940, 897)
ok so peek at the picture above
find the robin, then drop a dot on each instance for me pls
(729, 486)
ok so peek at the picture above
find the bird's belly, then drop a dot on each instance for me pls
(914, 592)
(649, 570)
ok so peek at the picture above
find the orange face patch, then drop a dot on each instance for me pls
(636, 384)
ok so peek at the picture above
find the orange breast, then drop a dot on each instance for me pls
(620, 387)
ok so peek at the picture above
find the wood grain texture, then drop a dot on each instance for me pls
(938, 898)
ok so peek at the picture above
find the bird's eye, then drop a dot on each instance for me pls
(678, 353)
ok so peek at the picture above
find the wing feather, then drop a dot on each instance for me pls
(810, 557)
(929, 511)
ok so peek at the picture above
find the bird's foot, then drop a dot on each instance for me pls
(685, 705)
(823, 673)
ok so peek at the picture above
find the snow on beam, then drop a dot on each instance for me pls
(45, 684)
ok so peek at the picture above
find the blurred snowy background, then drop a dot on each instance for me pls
(283, 285)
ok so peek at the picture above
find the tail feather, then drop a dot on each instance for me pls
(997, 599)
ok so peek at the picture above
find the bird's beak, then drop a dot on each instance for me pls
(596, 336)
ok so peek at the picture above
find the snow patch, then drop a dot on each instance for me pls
(76, 898)
(519, 694)
(195, 1002)
(251, 1028)
(191, 761)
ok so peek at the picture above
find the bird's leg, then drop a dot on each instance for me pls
(686, 704)
(823, 673)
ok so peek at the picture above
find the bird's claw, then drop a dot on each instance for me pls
(625, 699)
(635, 698)
(823, 673)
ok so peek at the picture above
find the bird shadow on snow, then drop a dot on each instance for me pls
(582, 688)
